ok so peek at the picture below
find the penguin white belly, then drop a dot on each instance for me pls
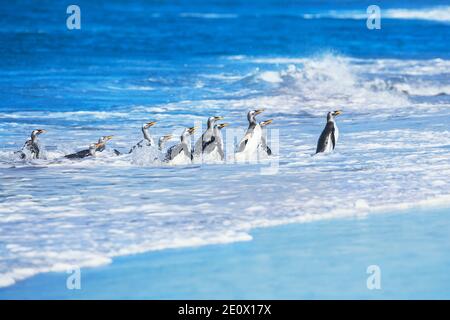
(181, 158)
(212, 156)
(251, 148)
(336, 133)
(329, 144)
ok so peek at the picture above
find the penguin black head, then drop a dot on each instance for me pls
(222, 125)
(37, 132)
(212, 121)
(265, 123)
(252, 114)
(104, 139)
(165, 138)
(332, 115)
(186, 135)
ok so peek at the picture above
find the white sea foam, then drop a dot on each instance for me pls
(200, 15)
(393, 154)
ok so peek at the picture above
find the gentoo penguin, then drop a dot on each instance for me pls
(214, 149)
(102, 142)
(207, 136)
(31, 148)
(84, 153)
(93, 149)
(148, 140)
(162, 141)
(181, 153)
(329, 137)
(264, 147)
(249, 144)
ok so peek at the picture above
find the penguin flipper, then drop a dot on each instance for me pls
(244, 142)
(173, 151)
(207, 143)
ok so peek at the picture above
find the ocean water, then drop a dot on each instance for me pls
(323, 260)
(179, 62)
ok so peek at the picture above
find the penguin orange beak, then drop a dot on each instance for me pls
(107, 138)
(337, 112)
(223, 125)
(267, 122)
(150, 124)
(41, 131)
(192, 130)
(218, 118)
(258, 111)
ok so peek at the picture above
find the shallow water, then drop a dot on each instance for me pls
(182, 62)
(321, 260)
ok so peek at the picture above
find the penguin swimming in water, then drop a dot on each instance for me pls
(329, 137)
(93, 149)
(264, 147)
(214, 149)
(207, 137)
(181, 153)
(102, 143)
(249, 144)
(84, 153)
(31, 148)
(148, 140)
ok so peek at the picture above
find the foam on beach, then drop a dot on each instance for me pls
(393, 154)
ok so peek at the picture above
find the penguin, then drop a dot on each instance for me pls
(207, 137)
(263, 146)
(249, 144)
(330, 134)
(181, 153)
(31, 148)
(92, 150)
(162, 141)
(148, 140)
(214, 149)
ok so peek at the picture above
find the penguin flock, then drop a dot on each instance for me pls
(210, 144)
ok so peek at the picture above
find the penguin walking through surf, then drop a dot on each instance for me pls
(330, 134)
(32, 149)
(264, 148)
(148, 140)
(214, 150)
(248, 145)
(163, 140)
(181, 153)
(207, 136)
(92, 150)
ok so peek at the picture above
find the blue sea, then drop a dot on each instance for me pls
(179, 62)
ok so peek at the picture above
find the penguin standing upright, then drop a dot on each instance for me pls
(263, 146)
(329, 137)
(248, 145)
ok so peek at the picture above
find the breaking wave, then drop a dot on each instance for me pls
(439, 14)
